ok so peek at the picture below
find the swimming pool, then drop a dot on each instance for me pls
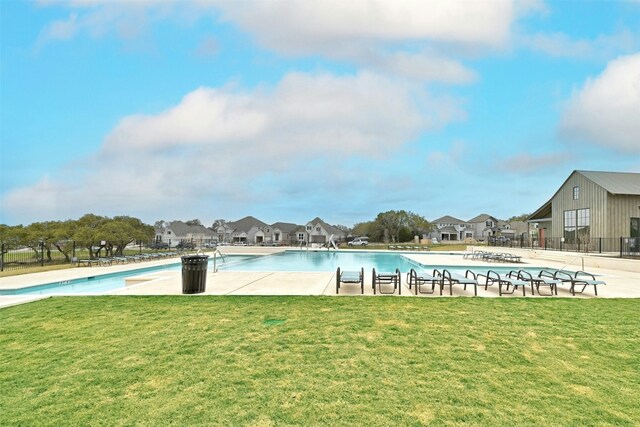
(319, 261)
(288, 261)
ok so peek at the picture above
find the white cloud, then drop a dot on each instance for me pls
(411, 38)
(563, 46)
(291, 26)
(606, 110)
(226, 144)
(381, 35)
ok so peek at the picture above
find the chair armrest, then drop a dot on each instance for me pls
(584, 273)
(563, 275)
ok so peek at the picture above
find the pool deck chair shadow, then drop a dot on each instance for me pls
(378, 279)
(350, 277)
(579, 278)
(419, 279)
(449, 278)
(511, 279)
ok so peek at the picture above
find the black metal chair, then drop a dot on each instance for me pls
(379, 279)
(350, 277)
(419, 279)
(451, 279)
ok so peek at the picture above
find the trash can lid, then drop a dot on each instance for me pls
(194, 257)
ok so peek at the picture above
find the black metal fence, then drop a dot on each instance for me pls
(21, 256)
(621, 246)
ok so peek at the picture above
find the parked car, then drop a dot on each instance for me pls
(359, 241)
(160, 245)
(185, 245)
(210, 245)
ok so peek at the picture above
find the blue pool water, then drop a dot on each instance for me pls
(319, 261)
(290, 261)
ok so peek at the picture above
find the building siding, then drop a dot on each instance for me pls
(621, 209)
(591, 196)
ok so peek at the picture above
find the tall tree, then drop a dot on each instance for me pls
(86, 232)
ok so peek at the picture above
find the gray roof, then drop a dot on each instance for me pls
(448, 220)
(482, 218)
(287, 227)
(328, 227)
(448, 229)
(181, 229)
(615, 182)
(246, 224)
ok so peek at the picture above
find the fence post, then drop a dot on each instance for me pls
(599, 245)
(620, 246)
(73, 254)
(41, 254)
(2, 260)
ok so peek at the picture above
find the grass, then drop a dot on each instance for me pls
(264, 361)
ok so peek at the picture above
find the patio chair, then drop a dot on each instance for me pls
(89, 262)
(538, 281)
(511, 279)
(380, 279)
(580, 278)
(457, 279)
(418, 279)
(351, 277)
(511, 257)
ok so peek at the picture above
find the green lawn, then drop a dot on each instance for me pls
(320, 361)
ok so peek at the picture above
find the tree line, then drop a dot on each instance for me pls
(393, 226)
(93, 232)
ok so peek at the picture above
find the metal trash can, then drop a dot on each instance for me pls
(194, 273)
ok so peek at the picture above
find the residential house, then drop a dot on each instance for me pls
(176, 232)
(591, 205)
(483, 226)
(318, 231)
(284, 233)
(250, 230)
(448, 228)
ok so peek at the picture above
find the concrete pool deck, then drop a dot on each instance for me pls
(622, 277)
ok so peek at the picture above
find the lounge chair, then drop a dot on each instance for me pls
(88, 262)
(579, 278)
(418, 279)
(510, 279)
(540, 280)
(511, 257)
(457, 279)
(380, 279)
(351, 277)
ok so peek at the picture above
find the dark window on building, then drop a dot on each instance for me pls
(576, 193)
(577, 225)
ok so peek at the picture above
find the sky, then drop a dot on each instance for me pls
(291, 110)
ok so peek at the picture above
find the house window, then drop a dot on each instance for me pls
(489, 224)
(318, 229)
(577, 225)
(309, 228)
(576, 193)
(300, 236)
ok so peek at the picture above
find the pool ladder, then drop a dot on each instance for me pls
(215, 258)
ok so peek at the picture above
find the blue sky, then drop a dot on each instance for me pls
(288, 110)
